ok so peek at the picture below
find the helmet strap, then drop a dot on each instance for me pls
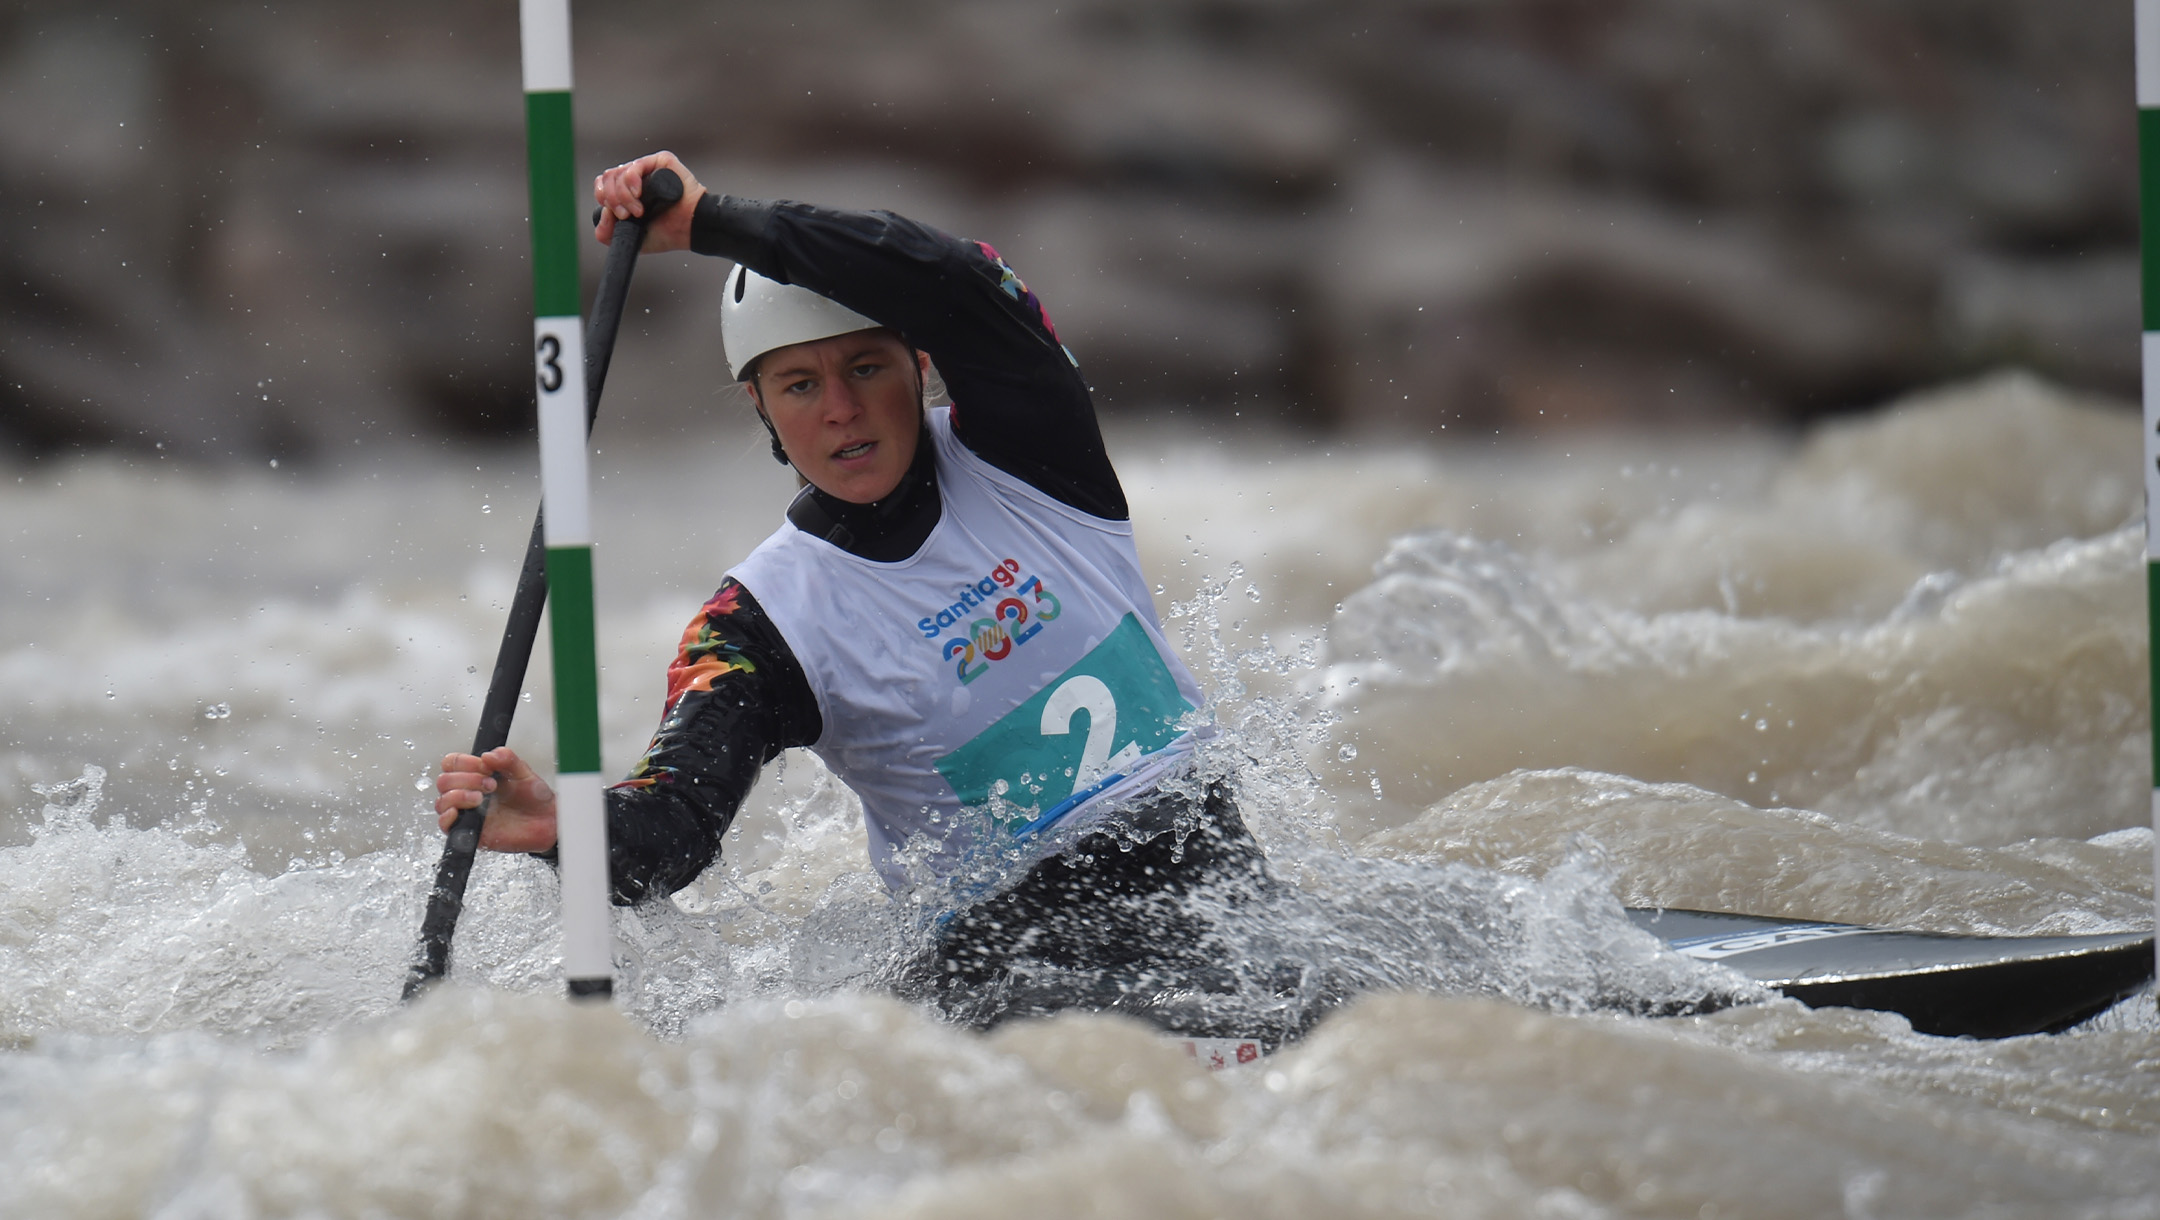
(778, 452)
(749, 385)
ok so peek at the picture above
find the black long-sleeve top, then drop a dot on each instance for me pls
(736, 694)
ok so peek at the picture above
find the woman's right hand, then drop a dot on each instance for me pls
(523, 815)
(616, 191)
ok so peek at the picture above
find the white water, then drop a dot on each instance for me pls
(1895, 673)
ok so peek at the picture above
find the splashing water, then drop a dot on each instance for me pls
(1895, 674)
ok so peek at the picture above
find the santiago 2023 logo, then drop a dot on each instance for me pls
(1000, 611)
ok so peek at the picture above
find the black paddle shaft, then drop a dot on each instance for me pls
(662, 190)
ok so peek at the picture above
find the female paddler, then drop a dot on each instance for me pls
(951, 615)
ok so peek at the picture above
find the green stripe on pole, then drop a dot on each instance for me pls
(577, 672)
(2152, 616)
(548, 153)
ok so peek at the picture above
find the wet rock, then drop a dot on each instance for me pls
(295, 228)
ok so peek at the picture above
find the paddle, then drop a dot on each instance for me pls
(662, 190)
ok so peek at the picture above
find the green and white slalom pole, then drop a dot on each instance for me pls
(559, 374)
(2147, 39)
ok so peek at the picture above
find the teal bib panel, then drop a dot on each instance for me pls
(1076, 735)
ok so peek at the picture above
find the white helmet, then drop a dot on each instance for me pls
(758, 315)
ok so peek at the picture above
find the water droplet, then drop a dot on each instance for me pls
(1252, 593)
(420, 785)
(487, 508)
(1761, 725)
(217, 711)
(1751, 777)
(111, 695)
(1347, 752)
(1376, 787)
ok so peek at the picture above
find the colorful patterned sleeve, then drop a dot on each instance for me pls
(736, 697)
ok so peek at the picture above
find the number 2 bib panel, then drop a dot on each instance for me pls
(1009, 676)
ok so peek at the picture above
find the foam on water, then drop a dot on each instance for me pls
(1958, 684)
(484, 1103)
(1476, 702)
(1675, 845)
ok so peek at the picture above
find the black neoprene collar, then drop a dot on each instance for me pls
(884, 531)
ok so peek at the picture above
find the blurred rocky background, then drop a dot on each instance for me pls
(290, 227)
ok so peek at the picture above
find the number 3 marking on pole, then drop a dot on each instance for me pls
(550, 364)
(1088, 692)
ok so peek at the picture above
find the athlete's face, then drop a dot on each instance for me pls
(848, 410)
